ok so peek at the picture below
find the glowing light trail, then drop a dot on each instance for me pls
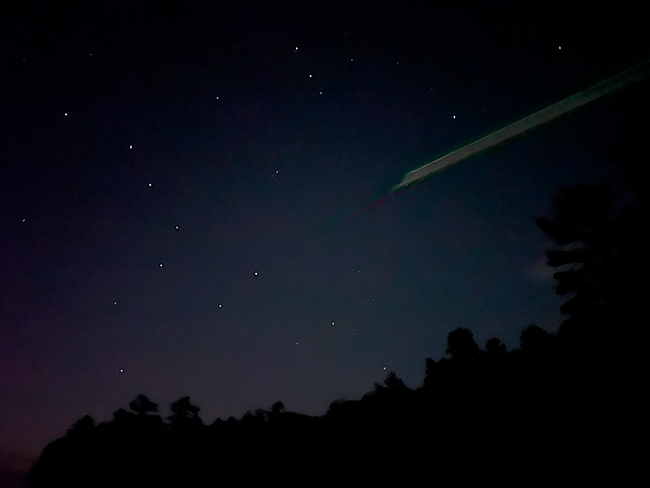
(530, 122)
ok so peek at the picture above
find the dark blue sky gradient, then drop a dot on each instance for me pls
(199, 138)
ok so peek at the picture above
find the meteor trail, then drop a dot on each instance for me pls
(536, 119)
(635, 74)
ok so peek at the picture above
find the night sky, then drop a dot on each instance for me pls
(193, 197)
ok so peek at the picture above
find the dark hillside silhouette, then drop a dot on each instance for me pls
(480, 408)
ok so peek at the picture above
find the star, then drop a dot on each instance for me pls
(121, 370)
(160, 265)
(255, 273)
(115, 303)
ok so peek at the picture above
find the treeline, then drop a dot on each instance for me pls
(480, 412)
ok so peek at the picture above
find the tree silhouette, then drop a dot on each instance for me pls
(143, 406)
(277, 408)
(461, 345)
(83, 426)
(601, 268)
(393, 382)
(591, 265)
(535, 340)
(495, 347)
(184, 413)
